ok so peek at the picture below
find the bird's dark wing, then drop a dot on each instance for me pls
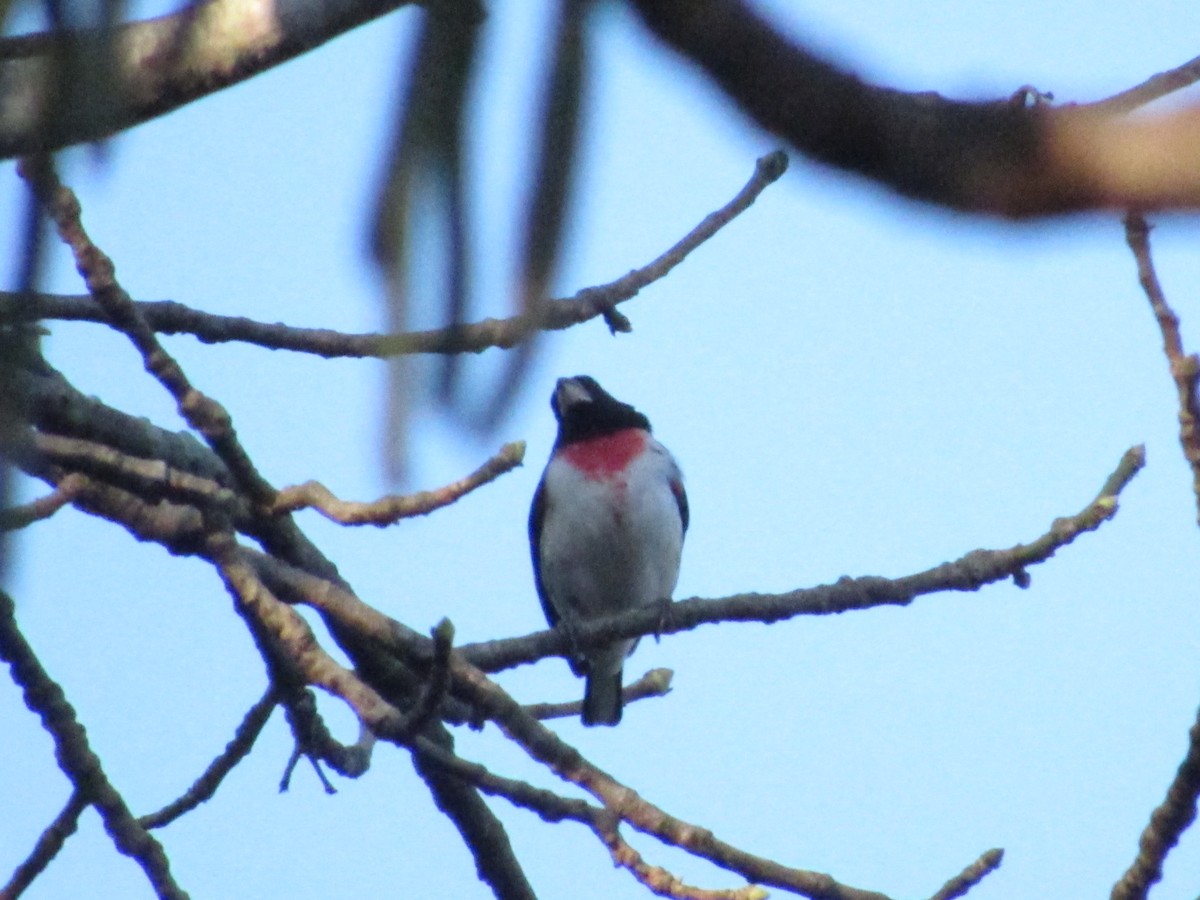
(537, 518)
(681, 500)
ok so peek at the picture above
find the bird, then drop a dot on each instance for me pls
(606, 529)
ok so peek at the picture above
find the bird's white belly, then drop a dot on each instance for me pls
(613, 543)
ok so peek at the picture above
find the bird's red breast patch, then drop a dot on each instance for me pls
(603, 457)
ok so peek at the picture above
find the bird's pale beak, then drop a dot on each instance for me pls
(569, 392)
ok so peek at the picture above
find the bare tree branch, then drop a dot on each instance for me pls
(968, 573)
(657, 879)
(205, 787)
(1167, 824)
(201, 412)
(44, 697)
(961, 884)
(1178, 810)
(21, 516)
(394, 507)
(159, 65)
(655, 683)
(47, 847)
(1185, 367)
(997, 157)
(544, 746)
(169, 317)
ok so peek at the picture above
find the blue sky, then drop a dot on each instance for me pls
(854, 385)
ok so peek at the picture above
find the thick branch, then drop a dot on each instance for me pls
(200, 411)
(157, 65)
(997, 157)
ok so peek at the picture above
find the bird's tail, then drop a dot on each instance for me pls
(602, 698)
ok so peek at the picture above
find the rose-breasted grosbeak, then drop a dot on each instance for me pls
(606, 528)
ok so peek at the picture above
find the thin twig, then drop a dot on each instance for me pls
(1178, 810)
(46, 848)
(235, 751)
(203, 413)
(44, 507)
(437, 683)
(658, 880)
(1167, 823)
(968, 573)
(76, 759)
(394, 507)
(547, 748)
(655, 683)
(1185, 367)
(549, 806)
(169, 317)
(1153, 88)
(960, 884)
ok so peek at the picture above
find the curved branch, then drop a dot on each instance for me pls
(235, 751)
(394, 507)
(159, 64)
(65, 492)
(600, 301)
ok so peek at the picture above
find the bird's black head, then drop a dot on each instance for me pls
(585, 410)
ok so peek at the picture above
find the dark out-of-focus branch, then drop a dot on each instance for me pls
(1002, 157)
(159, 65)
